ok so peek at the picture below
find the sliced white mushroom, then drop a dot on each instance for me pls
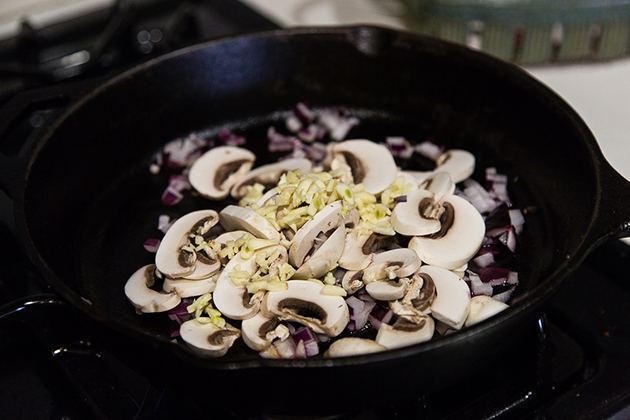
(268, 175)
(439, 183)
(371, 163)
(354, 256)
(418, 215)
(207, 339)
(215, 172)
(459, 238)
(259, 331)
(206, 265)
(304, 302)
(330, 217)
(402, 262)
(325, 258)
(352, 281)
(243, 218)
(173, 257)
(405, 333)
(353, 346)
(387, 289)
(189, 288)
(233, 300)
(460, 164)
(360, 248)
(145, 299)
(452, 300)
(483, 307)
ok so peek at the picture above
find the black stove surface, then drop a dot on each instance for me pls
(573, 364)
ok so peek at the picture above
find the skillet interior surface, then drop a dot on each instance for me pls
(90, 201)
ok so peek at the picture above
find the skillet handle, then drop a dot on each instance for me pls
(16, 111)
(612, 220)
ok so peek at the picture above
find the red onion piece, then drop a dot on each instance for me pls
(304, 113)
(484, 260)
(401, 199)
(494, 275)
(227, 138)
(151, 245)
(379, 315)
(279, 142)
(171, 197)
(429, 150)
(504, 296)
(477, 287)
(399, 147)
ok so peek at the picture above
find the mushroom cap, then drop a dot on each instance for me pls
(439, 183)
(170, 259)
(206, 265)
(189, 288)
(405, 333)
(405, 260)
(325, 258)
(234, 301)
(207, 339)
(352, 281)
(353, 256)
(268, 175)
(215, 172)
(242, 218)
(387, 289)
(483, 307)
(372, 164)
(328, 218)
(143, 298)
(304, 302)
(353, 346)
(460, 236)
(410, 218)
(259, 331)
(460, 164)
(452, 300)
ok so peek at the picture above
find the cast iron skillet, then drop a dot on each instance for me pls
(84, 201)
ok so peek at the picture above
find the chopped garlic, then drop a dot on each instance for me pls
(333, 290)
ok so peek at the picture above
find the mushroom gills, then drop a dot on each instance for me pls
(304, 302)
(207, 339)
(215, 172)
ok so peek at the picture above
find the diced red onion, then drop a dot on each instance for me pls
(343, 128)
(477, 287)
(517, 219)
(306, 338)
(360, 311)
(478, 196)
(494, 275)
(279, 142)
(286, 348)
(399, 147)
(300, 350)
(171, 197)
(429, 150)
(401, 199)
(164, 222)
(512, 278)
(504, 296)
(228, 138)
(151, 245)
(304, 113)
(484, 260)
(379, 315)
(317, 152)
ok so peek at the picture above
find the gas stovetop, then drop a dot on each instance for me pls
(573, 363)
